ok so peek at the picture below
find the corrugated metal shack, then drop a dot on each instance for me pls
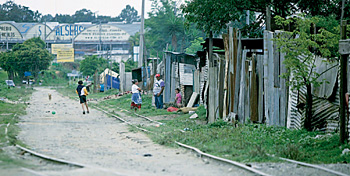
(178, 73)
(246, 85)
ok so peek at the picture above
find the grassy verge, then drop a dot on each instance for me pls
(243, 143)
(9, 114)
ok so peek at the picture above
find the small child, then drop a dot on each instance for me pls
(136, 100)
(178, 98)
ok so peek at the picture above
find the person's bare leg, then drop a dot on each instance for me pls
(87, 108)
(82, 105)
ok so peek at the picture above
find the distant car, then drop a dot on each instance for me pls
(24, 82)
(10, 83)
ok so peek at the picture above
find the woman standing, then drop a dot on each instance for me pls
(136, 95)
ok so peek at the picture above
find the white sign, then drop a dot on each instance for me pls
(8, 31)
(103, 32)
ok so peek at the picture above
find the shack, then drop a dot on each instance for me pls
(179, 73)
(111, 78)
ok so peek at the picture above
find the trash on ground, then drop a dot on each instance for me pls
(191, 112)
(194, 116)
(172, 109)
(345, 151)
(147, 155)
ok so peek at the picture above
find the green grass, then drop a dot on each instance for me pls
(9, 114)
(252, 142)
(243, 143)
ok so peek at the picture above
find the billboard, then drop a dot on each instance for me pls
(65, 55)
(56, 47)
(65, 52)
(104, 32)
(8, 31)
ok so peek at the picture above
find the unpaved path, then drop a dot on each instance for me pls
(103, 142)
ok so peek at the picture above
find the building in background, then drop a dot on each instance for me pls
(74, 41)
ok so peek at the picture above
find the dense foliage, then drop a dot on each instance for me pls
(30, 56)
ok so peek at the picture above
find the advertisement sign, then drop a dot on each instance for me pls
(8, 31)
(65, 32)
(103, 32)
(56, 47)
(65, 55)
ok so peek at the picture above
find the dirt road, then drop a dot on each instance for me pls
(103, 142)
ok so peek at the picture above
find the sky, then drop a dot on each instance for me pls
(100, 7)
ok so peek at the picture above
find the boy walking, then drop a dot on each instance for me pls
(82, 92)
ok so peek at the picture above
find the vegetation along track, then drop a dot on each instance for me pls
(137, 122)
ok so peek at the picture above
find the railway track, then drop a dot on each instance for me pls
(200, 153)
(138, 121)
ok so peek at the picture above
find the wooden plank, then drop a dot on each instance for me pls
(260, 67)
(172, 82)
(344, 47)
(221, 84)
(227, 61)
(266, 78)
(237, 72)
(233, 67)
(283, 94)
(242, 89)
(212, 93)
(193, 98)
(274, 106)
(212, 82)
(253, 92)
(247, 92)
(276, 66)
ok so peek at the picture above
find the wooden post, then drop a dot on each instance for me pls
(212, 92)
(122, 77)
(253, 92)
(221, 87)
(343, 87)
(226, 88)
(238, 73)
(268, 18)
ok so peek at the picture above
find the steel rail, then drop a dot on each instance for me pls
(223, 159)
(235, 163)
(76, 164)
(314, 166)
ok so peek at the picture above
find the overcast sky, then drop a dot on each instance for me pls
(102, 7)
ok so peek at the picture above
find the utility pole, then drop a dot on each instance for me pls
(343, 86)
(141, 34)
(100, 40)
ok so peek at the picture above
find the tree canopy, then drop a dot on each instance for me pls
(166, 27)
(10, 11)
(30, 56)
(92, 63)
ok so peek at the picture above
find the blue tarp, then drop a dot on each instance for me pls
(27, 73)
(115, 82)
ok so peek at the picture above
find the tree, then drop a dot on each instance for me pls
(166, 27)
(10, 11)
(195, 46)
(92, 63)
(83, 15)
(301, 46)
(129, 15)
(63, 18)
(29, 56)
